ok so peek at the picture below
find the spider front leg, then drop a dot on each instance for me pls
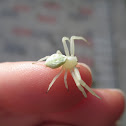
(72, 48)
(64, 39)
(78, 76)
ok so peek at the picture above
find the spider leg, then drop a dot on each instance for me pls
(72, 43)
(42, 59)
(78, 84)
(65, 80)
(78, 76)
(84, 65)
(58, 52)
(54, 79)
(64, 39)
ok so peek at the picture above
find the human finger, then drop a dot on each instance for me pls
(92, 111)
(23, 87)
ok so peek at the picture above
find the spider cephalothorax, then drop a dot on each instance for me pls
(67, 62)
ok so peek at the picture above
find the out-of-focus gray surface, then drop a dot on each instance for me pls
(118, 21)
(31, 29)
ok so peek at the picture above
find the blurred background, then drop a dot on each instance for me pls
(32, 29)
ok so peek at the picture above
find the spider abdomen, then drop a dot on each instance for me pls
(55, 61)
(70, 63)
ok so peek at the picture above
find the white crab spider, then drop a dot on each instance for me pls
(68, 63)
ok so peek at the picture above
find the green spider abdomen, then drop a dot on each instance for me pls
(55, 61)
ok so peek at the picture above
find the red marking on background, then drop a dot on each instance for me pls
(86, 60)
(86, 11)
(24, 8)
(47, 19)
(52, 5)
(22, 31)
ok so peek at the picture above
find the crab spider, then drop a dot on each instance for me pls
(67, 62)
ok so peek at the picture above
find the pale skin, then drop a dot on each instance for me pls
(70, 65)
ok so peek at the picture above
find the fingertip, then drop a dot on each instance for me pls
(114, 102)
(25, 86)
(98, 112)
